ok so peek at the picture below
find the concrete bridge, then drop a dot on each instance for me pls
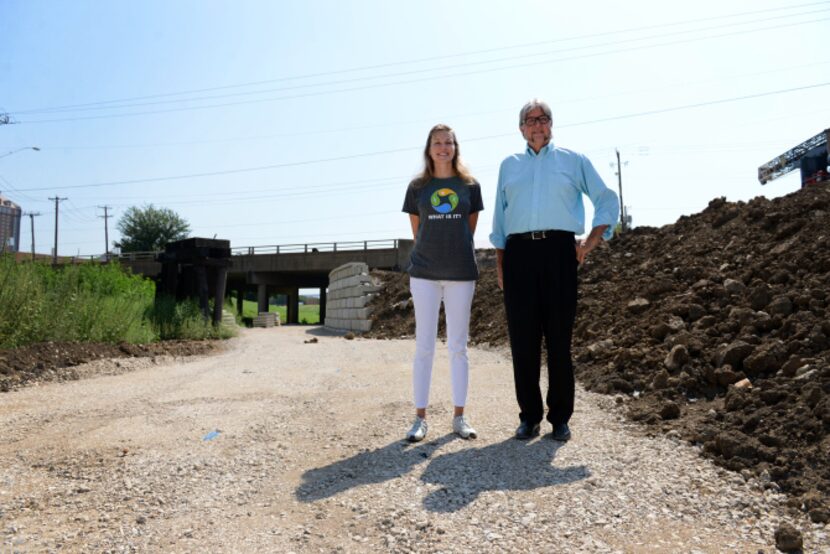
(285, 269)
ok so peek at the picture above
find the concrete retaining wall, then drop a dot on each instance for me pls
(350, 289)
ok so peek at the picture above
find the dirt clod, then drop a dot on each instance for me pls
(788, 538)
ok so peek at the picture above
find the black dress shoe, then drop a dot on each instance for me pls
(561, 432)
(526, 431)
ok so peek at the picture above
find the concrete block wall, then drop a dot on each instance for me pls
(267, 319)
(350, 289)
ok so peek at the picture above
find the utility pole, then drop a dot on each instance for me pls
(105, 217)
(32, 216)
(623, 228)
(57, 200)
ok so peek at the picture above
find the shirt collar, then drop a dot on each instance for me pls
(545, 149)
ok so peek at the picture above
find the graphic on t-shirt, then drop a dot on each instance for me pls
(444, 201)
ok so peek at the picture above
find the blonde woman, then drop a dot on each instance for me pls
(443, 204)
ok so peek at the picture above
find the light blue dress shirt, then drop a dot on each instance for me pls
(537, 192)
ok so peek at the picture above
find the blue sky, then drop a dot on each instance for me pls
(298, 122)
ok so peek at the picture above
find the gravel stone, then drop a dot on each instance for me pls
(268, 483)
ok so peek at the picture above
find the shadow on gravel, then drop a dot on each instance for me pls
(320, 331)
(510, 465)
(375, 466)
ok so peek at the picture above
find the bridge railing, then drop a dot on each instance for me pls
(308, 248)
(136, 256)
(315, 247)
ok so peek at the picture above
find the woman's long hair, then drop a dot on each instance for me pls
(429, 166)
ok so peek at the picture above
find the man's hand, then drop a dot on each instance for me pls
(589, 243)
(582, 249)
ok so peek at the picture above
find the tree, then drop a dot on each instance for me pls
(149, 229)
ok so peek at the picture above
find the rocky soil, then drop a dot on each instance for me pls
(58, 361)
(716, 327)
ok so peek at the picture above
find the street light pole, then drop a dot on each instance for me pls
(35, 148)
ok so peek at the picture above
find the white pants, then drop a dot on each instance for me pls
(458, 298)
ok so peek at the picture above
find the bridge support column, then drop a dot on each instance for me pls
(202, 287)
(262, 298)
(322, 305)
(219, 294)
(240, 296)
(293, 306)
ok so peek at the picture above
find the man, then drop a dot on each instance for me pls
(538, 213)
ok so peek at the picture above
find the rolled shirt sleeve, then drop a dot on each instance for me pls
(605, 201)
(498, 238)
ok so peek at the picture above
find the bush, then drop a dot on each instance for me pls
(184, 320)
(91, 303)
(87, 302)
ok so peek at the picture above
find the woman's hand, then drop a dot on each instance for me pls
(414, 222)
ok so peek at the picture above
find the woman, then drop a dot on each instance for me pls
(443, 204)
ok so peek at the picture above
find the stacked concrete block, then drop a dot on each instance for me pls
(228, 319)
(350, 289)
(267, 319)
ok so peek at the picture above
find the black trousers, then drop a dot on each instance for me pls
(540, 285)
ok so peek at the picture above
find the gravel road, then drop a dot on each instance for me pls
(309, 458)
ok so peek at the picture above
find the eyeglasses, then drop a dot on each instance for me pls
(531, 121)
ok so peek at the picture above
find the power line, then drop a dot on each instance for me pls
(702, 104)
(397, 150)
(418, 80)
(738, 76)
(432, 58)
(12, 189)
(421, 71)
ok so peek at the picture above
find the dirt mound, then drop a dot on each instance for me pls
(717, 326)
(54, 361)
(393, 316)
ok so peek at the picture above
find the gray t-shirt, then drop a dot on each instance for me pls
(444, 248)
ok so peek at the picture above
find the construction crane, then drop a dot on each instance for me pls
(812, 156)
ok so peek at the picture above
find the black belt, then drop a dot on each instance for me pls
(539, 235)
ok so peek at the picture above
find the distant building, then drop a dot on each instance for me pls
(10, 215)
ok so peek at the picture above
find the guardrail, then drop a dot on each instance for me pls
(314, 247)
(137, 256)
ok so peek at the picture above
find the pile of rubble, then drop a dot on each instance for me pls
(716, 327)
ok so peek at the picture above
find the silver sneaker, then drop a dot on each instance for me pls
(462, 428)
(418, 431)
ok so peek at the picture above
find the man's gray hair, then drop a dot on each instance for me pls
(532, 105)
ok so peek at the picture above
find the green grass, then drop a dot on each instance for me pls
(90, 302)
(184, 320)
(79, 303)
(311, 313)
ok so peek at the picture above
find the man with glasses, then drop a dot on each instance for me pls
(538, 213)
